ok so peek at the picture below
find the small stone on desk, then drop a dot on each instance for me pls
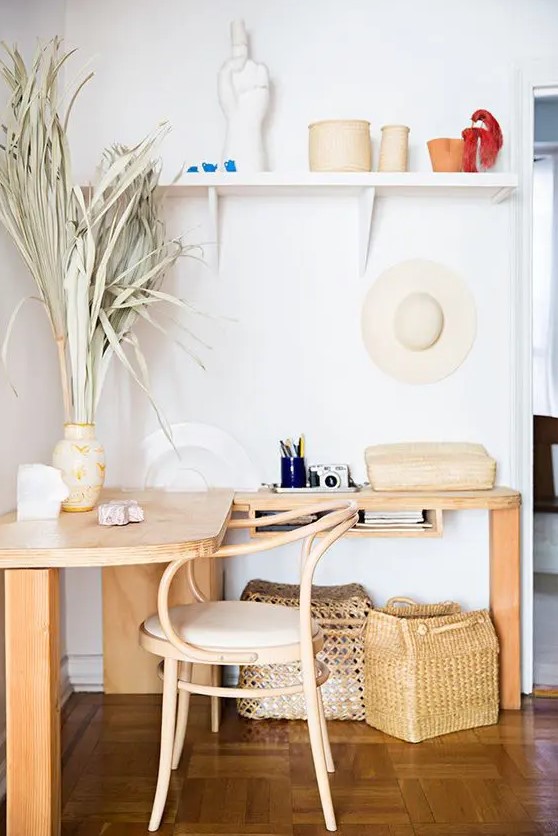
(120, 512)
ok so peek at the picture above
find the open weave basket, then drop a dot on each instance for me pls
(429, 675)
(425, 466)
(341, 612)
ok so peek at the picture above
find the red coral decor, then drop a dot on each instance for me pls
(481, 142)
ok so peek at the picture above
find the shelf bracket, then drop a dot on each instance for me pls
(213, 207)
(365, 212)
(501, 195)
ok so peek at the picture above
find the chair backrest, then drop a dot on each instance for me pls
(335, 517)
(205, 457)
(545, 435)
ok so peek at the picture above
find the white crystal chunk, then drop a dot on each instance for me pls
(40, 491)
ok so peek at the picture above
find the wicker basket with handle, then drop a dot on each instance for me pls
(427, 675)
(402, 607)
(341, 612)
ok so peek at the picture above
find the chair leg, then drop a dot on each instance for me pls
(168, 722)
(182, 715)
(317, 744)
(215, 702)
(325, 737)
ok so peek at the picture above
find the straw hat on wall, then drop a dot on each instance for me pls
(419, 321)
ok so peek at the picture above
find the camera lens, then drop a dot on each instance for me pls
(331, 480)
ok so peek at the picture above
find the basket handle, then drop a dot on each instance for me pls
(423, 629)
(400, 599)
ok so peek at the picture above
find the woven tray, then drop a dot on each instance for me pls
(427, 676)
(425, 466)
(341, 612)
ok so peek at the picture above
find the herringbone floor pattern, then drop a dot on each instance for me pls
(256, 777)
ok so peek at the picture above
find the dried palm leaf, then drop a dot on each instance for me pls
(98, 259)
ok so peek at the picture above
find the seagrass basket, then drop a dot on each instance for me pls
(425, 466)
(341, 612)
(429, 674)
(340, 145)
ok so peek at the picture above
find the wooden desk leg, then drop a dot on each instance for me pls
(32, 702)
(504, 600)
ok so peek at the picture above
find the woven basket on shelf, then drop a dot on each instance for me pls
(340, 145)
(426, 674)
(425, 466)
(341, 612)
(394, 149)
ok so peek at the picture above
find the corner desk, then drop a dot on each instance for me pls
(176, 524)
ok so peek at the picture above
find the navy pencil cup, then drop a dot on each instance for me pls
(293, 472)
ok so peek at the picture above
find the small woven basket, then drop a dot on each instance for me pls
(427, 674)
(340, 145)
(426, 466)
(341, 612)
(394, 148)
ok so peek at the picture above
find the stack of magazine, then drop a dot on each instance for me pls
(393, 520)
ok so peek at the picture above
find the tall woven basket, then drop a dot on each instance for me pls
(430, 670)
(341, 612)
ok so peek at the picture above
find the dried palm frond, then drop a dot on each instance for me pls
(98, 259)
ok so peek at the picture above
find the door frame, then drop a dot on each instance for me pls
(529, 78)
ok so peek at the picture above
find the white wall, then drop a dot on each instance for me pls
(293, 359)
(30, 423)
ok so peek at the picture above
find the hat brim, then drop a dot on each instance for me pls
(458, 332)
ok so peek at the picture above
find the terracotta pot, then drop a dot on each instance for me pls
(446, 154)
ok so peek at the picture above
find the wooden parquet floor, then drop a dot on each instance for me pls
(256, 777)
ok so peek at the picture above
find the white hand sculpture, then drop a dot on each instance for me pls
(244, 98)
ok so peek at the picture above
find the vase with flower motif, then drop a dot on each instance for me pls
(81, 458)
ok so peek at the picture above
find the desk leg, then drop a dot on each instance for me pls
(504, 600)
(32, 702)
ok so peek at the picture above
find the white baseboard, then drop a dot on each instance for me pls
(83, 672)
(66, 689)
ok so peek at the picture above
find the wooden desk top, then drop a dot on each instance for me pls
(175, 525)
(492, 500)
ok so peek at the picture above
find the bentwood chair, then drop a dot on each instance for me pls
(245, 632)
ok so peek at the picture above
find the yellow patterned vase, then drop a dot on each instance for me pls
(81, 458)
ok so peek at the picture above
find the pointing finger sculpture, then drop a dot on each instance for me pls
(244, 98)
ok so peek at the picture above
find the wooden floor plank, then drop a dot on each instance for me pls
(256, 778)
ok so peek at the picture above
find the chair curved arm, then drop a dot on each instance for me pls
(339, 516)
(281, 517)
(335, 511)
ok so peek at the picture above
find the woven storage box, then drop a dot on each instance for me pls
(430, 466)
(341, 612)
(340, 145)
(427, 675)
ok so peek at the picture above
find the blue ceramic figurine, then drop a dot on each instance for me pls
(209, 166)
(230, 165)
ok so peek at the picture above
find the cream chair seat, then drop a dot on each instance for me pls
(245, 632)
(233, 624)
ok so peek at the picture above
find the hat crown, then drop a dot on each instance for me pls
(418, 321)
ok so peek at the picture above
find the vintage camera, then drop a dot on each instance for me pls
(329, 476)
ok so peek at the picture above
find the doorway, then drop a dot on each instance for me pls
(545, 390)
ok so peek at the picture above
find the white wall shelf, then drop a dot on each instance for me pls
(494, 187)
